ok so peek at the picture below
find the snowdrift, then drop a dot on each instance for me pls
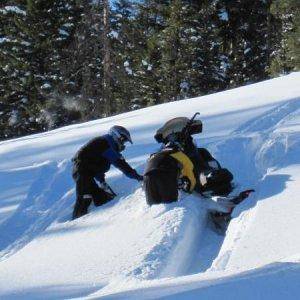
(126, 249)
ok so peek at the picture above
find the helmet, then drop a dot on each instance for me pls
(120, 135)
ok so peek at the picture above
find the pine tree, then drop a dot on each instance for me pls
(90, 68)
(244, 31)
(204, 44)
(58, 24)
(107, 63)
(83, 68)
(150, 21)
(286, 56)
(4, 82)
(36, 31)
(16, 51)
(191, 63)
(172, 52)
(124, 42)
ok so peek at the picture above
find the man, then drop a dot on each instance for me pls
(92, 161)
(166, 172)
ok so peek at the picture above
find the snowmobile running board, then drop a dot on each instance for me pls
(221, 220)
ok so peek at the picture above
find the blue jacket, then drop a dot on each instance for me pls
(96, 157)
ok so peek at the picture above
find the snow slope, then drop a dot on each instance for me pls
(126, 249)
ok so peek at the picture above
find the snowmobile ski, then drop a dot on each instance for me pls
(220, 220)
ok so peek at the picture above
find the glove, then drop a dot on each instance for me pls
(140, 177)
(184, 184)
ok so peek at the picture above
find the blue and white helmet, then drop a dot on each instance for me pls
(120, 135)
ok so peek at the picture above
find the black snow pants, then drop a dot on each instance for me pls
(87, 190)
(161, 187)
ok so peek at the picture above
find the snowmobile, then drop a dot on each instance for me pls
(213, 181)
(210, 176)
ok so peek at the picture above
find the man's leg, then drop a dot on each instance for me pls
(81, 205)
(84, 195)
(100, 196)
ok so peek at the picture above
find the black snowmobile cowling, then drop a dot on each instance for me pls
(178, 127)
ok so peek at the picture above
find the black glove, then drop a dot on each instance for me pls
(140, 177)
(184, 184)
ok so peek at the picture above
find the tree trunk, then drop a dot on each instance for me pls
(107, 76)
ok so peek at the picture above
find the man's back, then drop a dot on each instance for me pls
(93, 149)
(96, 156)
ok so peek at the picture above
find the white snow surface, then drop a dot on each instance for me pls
(12, 9)
(127, 250)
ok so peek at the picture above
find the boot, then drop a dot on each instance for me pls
(81, 206)
(103, 198)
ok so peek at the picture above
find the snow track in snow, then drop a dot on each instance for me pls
(273, 143)
(47, 198)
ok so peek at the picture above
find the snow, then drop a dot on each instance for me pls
(63, 32)
(4, 40)
(68, 25)
(12, 9)
(277, 190)
(246, 51)
(27, 44)
(13, 118)
(127, 250)
(223, 15)
(127, 68)
(46, 86)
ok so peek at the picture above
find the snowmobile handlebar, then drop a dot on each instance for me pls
(188, 127)
(194, 116)
(246, 193)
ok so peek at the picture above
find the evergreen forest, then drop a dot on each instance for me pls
(64, 62)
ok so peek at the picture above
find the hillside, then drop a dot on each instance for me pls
(126, 249)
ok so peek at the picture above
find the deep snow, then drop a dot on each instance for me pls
(126, 249)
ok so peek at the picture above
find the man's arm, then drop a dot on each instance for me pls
(122, 165)
(119, 162)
